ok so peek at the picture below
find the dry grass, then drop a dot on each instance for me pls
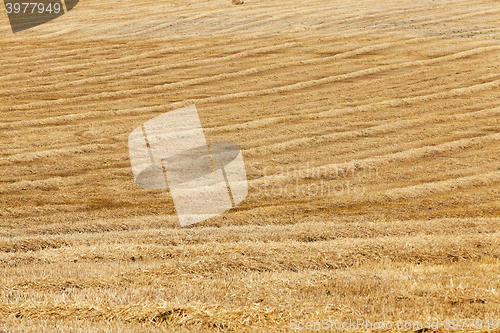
(398, 99)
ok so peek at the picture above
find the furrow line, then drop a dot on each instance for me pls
(280, 89)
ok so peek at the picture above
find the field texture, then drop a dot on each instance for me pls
(371, 136)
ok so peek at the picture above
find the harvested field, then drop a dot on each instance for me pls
(370, 133)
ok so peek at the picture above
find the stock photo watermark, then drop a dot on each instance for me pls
(331, 181)
(170, 152)
(365, 324)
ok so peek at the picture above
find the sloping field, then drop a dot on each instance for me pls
(371, 138)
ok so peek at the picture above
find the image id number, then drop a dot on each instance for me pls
(39, 8)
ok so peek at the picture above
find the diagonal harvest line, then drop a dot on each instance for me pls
(223, 173)
(228, 187)
(211, 158)
(147, 144)
(64, 6)
(164, 175)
